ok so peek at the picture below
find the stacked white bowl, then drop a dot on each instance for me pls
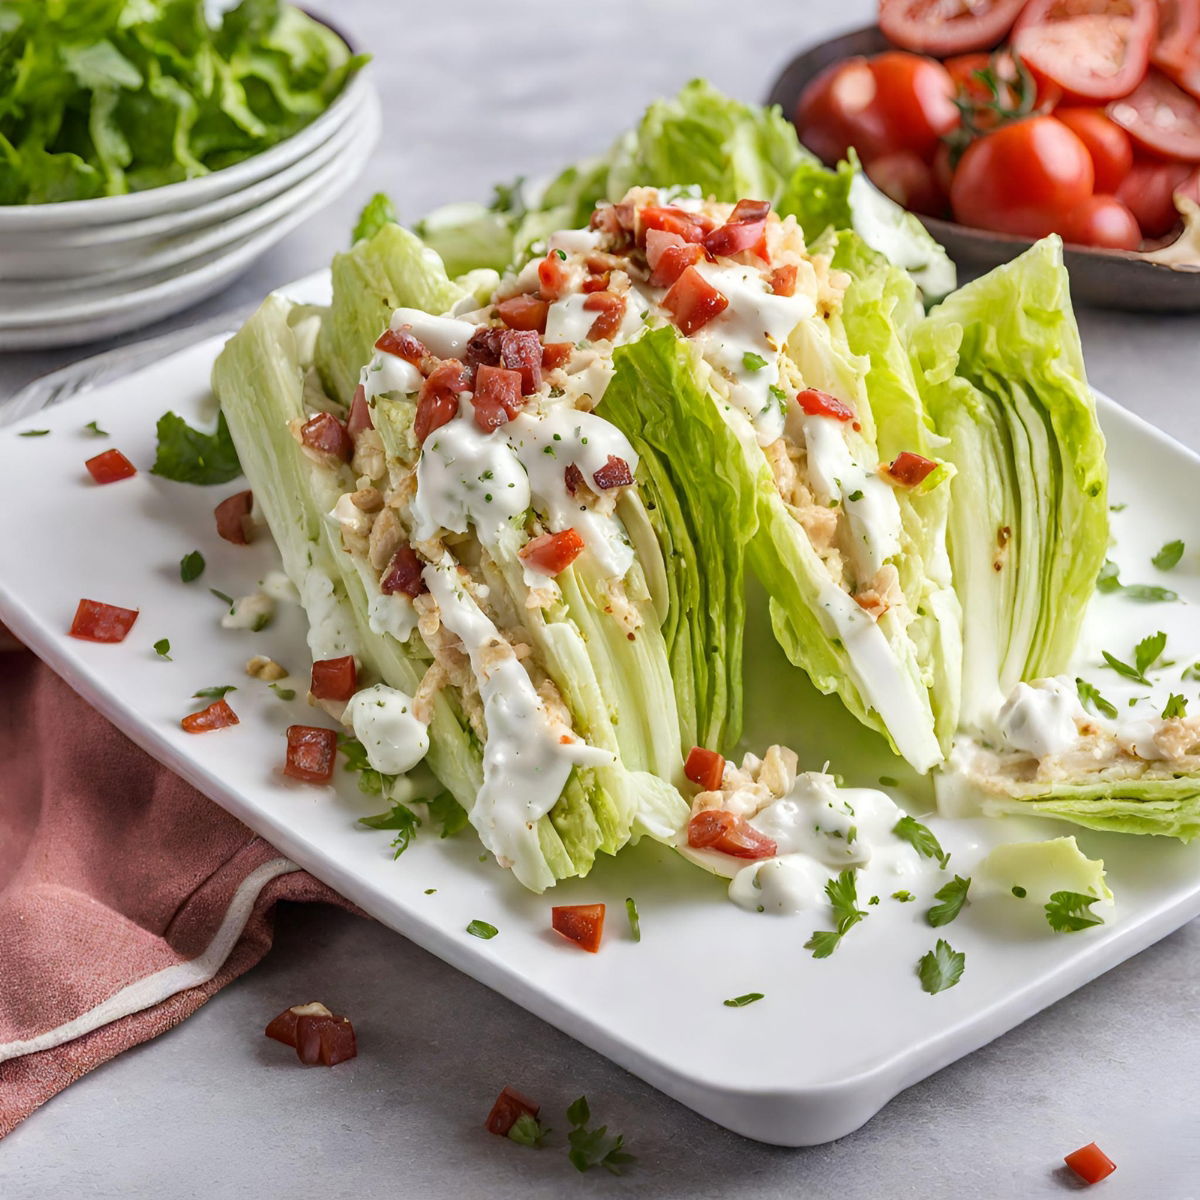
(85, 269)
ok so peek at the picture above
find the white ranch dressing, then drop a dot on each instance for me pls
(1040, 718)
(330, 628)
(252, 612)
(392, 737)
(392, 614)
(387, 374)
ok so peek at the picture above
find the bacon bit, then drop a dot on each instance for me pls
(360, 413)
(744, 230)
(717, 829)
(599, 261)
(483, 350)
(325, 1041)
(783, 280)
(554, 276)
(552, 553)
(522, 351)
(816, 403)
(596, 283)
(283, 1027)
(438, 402)
(233, 518)
(693, 302)
(612, 312)
(97, 622)
(109, 467)
(604, 219)
(691, 227)
(334, 678)
(311, 752)
(615, 473)
(403, 574)
(497, 397)
(909, 469)
(218, 715)
(573, 478)
(404, 344)
(704, 768)
(510, 1105)
(555, 354)
(658, 240)
(626, 215)
(580, 923)
(523, 312)
(324, 432)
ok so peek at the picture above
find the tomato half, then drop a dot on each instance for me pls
(1161, 117)
(1177, 52)
(1148, 192)
(1022, 179)
(1105, 222)
(1107, 143)
(1093, 49)
(928, 28)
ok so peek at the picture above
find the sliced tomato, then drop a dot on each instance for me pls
(1090, 1163)
(497, 397)
(218, 715)
(693, 301)
(610, 312)
(311, 753)
(510, 1105)
(403, 574)
(783, 280)
(1177, 52)
(334, 678)
(1106, 142)
(910, 181)
(1093, 49)
(438, 402)
(909, 469)
(1161, 117)
(524, 312)
(552, 553)
(614, 474)
(717, 829)
(360, 413)
(521, 350)
(704, 768)
(1105, 222)
(1148, 192)
(580, 923)
(109, 467)
(97, 622)
(325, 1040)
(233, 518)
(555, 354)
(403, 343)
(743, 231)
(816, 403)
(326, 434)
(935, 27)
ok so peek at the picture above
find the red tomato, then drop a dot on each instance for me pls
(109, 467)
(943, 167)
(909, 469)
(403, 574)
(908, 180)
(1147, 192)
(716, 829)
(497, 396)
(1023, 178)
(233, 518)
(1161, 117)
(690, 226)
(552, 553)
(324, 1041)
(704, 768)
(218, 715)
(97, 622)
(521, 350)
(523, 312)
(928, 28)
(1102, 221)
(438, 401)
(1090, 1163)
(402, 343)
(311, 752)
(554, 276)
(615, 473)
(816, 403)
(964, 70)
(1093, 49)
(916, 97)
(693, 301)
(334, 678)
(581, 923)
(1108, 144)
(837, 110)
(555, 354)
(325, 433)
(510, 1105)
(783, 280)
(360, 413)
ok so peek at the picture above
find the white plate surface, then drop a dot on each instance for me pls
(831, 1042)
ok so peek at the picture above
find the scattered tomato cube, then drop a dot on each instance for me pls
(402, 343)
(1090, 1163)
(693, 302)
(524, 312)
(611, 312)
(744, 230)
(509, 1107)
(816, 403)
(110, 466)
(438, 402)
(334, 678)
(218, 715)
(311, 752)
(97, 622)
(555, 354)
(705, 768)
(579, 923)
(233, 517)
(909, 469)
(497, 396)
(521, 350)
(783, 280)
(717, 829)
(552, 553)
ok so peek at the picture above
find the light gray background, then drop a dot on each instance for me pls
(474, 93)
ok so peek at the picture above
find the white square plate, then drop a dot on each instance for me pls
(832, 1041)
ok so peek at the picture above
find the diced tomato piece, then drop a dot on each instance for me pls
(523, 312)
(1090, 1163)
(325, 1041)
(438, 402)
(218, 715)
(705, 768)
(497, 397)
(360, 413)
(521, 350)
(581, 923)
(783, 280)
(555, 354)
(403, 574)
(233, 517)
(910, 469)
(404, 344)
(615, 473)
(573, 478)
(693, 301)
(324, 432)
(554, 276)
(673, 260)
(509, 1106)
(596, 283)
(689, 226)
(109, 467)
(552, 552)
(816, 403)
(334, 678)
(658, 240)
(97, 622)
(611, 310)
(311, 752)
(744, 230)
(717, 829)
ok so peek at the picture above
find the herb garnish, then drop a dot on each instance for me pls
(527, 1130)
(189, 455)
(922, 839)
(1176, 706)
(282, 692)
(843, 898)
(1019, 891)
(953, 896)
(33, 433)
(191, 566)
(400, 818)
(1089, 697)
(1109, 580)
(752, 361)
(1145, 654)
(95, 430)
(593, 1147)
(635, 922)
(163, 648)
(742, 1001)
(214, 693)
(481, 929)
(221, 596)
(1069, 912)
(904, 896)
(1168, 556)
(941, 967)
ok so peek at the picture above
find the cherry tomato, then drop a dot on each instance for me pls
(1148, 190)
(1102, 221)
(1093, 49)
(910, 181)
(1108, 144)
(916, 98)
(837, 110)
(973, 90)
(1023, 179)
(1161, 117)
(926, 27)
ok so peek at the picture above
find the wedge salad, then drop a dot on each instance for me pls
(523, 468)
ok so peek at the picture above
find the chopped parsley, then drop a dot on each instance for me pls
(481, 929)
(635, 922)
(1109, 580)
(953, 896)
(527, 1130)
(922, 839)
(402, 819)
(843, 899)
(34, 433)
(752, 361)
(888, 781)
(855, 496)
(1176, 706)
(1069, 912)
(191, 566)
(1089, 697)
(941, 967)
(163, 648)
(742, 1001)
(282, 692)
(1145, 654)
(187, 455)
(1019, 891)
(1192, 672)
(430, 891)
(590, 1148)
(95, 430)
(562, 254)
(213, 693)
(904, 896)
(221, 596)
(1168, 556)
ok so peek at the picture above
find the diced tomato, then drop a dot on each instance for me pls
(438, 402)
(704, 768)
(693, 302)
(552, 552)
(615, 473)
(334, 678)
(109, 467)
(573, 478)
(325, 1041)
(672, 258)
(1090, 1163)
(1161, 117)
(218, 715)
(555, 354)
(360, 413)
(596, 283)
(717, 829)
(311, 752)
(581, 923)
(816, 403)
(497, 397)
(403, 574)
(689, 226)
(403, 343)
(97, 622)
(657, 240)
(523, 312)
(283, 1027)
(783, 280)
(611, 312)
(554, 276)
(521, 350)
(233, 517)
(325, 433)
(743, 231)
(909, 469)
(509, 1106)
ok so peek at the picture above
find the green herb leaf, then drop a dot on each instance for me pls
(481, 929)
(34, 433)
(447, 814)
(635, 922)
(370, 781)
(163, 648)
(904, 896)
(855, 496)
(221, 596)
(400, 818)
(187, 455)
(1124, 669)
(588, 1148)
(941, 967)
(191, 566)
(823, 943)
(1176, 706)
(579, 1113)
(1168, 556)
(843, 899)
(922, 840)
(1069, 912)
(1089, 697)
(527, 1130)
(214, 693)
(1019, 891)
(742, 1001)
(1149, 650)
(1192, 673)
(282, 692)
(752, 361)
(95, 430)
(376, 213)
(1109, 580)
(953, 896)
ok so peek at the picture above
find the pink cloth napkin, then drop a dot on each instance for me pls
(126, 898)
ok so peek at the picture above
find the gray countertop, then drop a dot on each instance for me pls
(476, 93)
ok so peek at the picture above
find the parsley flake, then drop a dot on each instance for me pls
(1109, 580)
(221, 596)
(941, 967)
(402, 819)
(1145, 654)
(95, 430)
(34, 433)
(922, 839)
(1069, 912)
(1089, 697)
(635, 922)
(855, 496)
(843, 899)
(1168, 556)
(481, 929)
(1019, 891)
(187, 455)
(282, 692)
(904, 896)
(742, 1001)
(163, 648)
(1176, 706)
(213, 693)
(191, 566)
(953, 896)
(752, 361)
